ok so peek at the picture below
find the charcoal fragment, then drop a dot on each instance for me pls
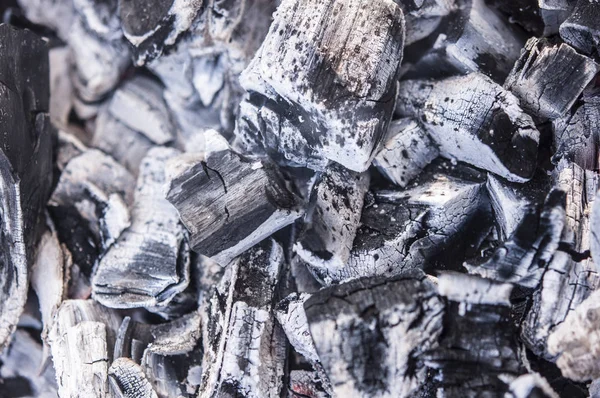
(582, 28)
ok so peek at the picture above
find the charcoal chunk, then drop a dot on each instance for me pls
(474, 120)
(582, 29)
(319, 88)
(129, 379)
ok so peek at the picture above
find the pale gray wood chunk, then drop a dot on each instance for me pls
(538, 77)
(576, 341)
(338, 108)
(406, 151)
(139, 104)
(292, 318)
(370, 334)
(128, 378)
(149, 263)
(229, 203)
(82, 340)
(333, 217)
(474, 120)
(244, 348)
(582, 29)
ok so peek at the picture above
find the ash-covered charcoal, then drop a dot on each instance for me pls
(149, 263)
(68, 147)
(522, 12)
(444, 216)
(554, 13)
(306, 384)
(320, 87)
(333, 217)
(478, 39)
(576, 341)
(535, 76)
(152, 26)
(292, 318)
(303, 278)
(523, 258)
(61, 88)
(244, 347)
(405, 153)
(26, 140)
(57, 15)
(139, 105)
(129, 380)
(576, 136)
(423, 17)
(570, 276)
(582, 29)
(228, 202)
(370, 334)
(478, 347)
(82, 340)
(90, 205)
(474, 120)
(530, 385)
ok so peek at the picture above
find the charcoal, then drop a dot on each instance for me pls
(244, 348)
(576, 341)
(292, 318)
(423, 17)
(58, 15)
(525, 13)
(305, 383)
(82, 340)
(530, 385)
(61, 88)
(478, 346)
(336, 205)
(476, 121)
(303, 278)
(127, 377)
(523, 258)
(411, 228)
(90, 205)
(406, 152)
(554, 13)
(149, 263)
(370, 333)
(150, 27)
(478, 40)
(534, 76)
(581, 29)
(332, 110)
(229, 203)
(139, 105)
(26, 138)
(69, 147)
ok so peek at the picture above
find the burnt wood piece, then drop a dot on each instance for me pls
(535, 78)
(320, 88)
(82, 340)
(306, 384)
(244, 347)
(423, 17)
(26, 142)
(127, 378)
(522, 12)
(474, 120)
(370, 334)
(90, 205)
(333, 217)
(434, 224)
(229, 203)
(153, 26)
(478, 347)
(554, 13)
(476, 39)
(405, 153)
(149, 263)
(582, 29)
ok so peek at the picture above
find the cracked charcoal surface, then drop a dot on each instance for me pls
(299, 198)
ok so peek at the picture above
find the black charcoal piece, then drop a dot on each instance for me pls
(149, 263)
(522, 12)
(478, 347)
(423, 17)
(535, 78)
(576, 341)
(151, 26)
(244, 347)
(139, 104)
(229, 203)
(321, 88)
(554, 13)
(523, 258)
(82, 340)
(446, 211)
(474, 120)
(90, 205)
(370, 334)
(26, 140)
(333, 217)
(478, 39)
(582, 29)
(405, 153)
(128, 378)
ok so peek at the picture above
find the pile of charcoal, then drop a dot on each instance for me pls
(299, 198)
